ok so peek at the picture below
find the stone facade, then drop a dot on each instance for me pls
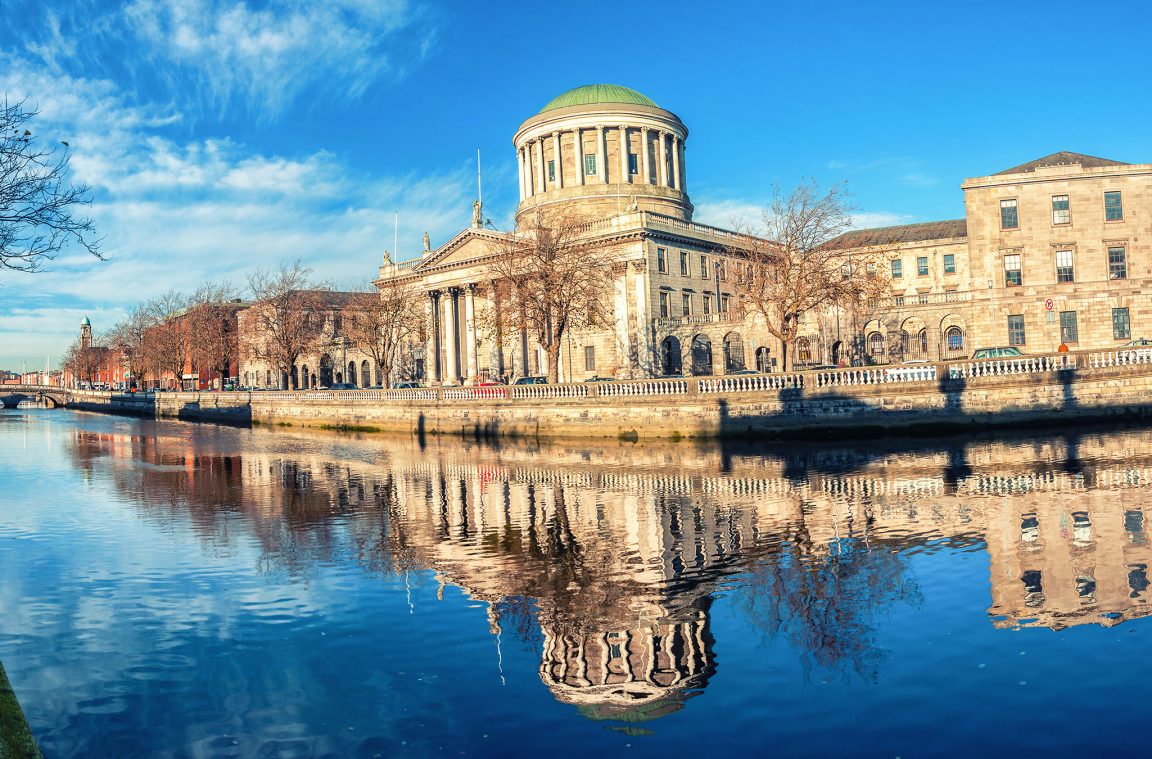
(1056, 251)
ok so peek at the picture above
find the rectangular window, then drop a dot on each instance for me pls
(1008, 217)
(632, 164)
(921, 266)
(686, 302)
(1064, 272)
(723, 304)
(662, 260)
(721, 274)
(1068, 327)
(1113, 206)
(703, 267)
(551, 171)
(684, 268)
(897, 268)
(1016, 330)
(590, 164)
(949, 263)
(1117, 262)
(1121, 324)
(1060, 212)
(589, 358)
(1012, 275)
(707, 304)
(665, 305)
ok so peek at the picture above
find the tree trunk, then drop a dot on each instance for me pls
(554, 362)
(783, 355)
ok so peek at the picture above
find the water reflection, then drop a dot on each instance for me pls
(608, 559)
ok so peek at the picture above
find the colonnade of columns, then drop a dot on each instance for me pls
(532, 159)
(452, 353)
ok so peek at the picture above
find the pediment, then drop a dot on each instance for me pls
(469, 245)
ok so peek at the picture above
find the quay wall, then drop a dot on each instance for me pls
(1041, 390)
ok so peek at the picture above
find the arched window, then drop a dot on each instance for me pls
(876, 345)
(366, 373)
(701, 355)
(803, 350)
(905, 342)
(733, 353)
(922, 343)
(954, 339)
(762, 359)
(670, 361)
(352, 373)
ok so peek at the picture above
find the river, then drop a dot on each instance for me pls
(177, 589)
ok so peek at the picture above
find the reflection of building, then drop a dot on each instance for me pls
(615, 563)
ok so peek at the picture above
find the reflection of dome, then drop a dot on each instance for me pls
(595, 94)
(630, 675)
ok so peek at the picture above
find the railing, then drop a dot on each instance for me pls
(643, 387)
(1016, 365)
(922, 299)
(664, 322)
(746, 383)
(908, 375)
(1120, 357)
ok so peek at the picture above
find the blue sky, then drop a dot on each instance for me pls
(224, 135)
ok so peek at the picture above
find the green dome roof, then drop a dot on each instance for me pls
(85, 323)
(592, 94)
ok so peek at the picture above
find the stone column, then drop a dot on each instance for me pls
(676, 162)
(602, 158)
(579, 145)
(556, 158)
(451, 354)
(540, 166)
(645, 163)
(520, 170)
(432, 359)
(663, 159)
(683, 169)
(625, 353)
(643, 318)
(470, 333)
(624, 175)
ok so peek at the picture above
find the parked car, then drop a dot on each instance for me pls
(595, 378)
(406, 386)
(490, 383)
(344, 386)
(531, 381)
(1006, 351)
(742, 372)
(1140, 342)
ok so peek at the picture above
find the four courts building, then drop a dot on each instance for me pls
(1056, 251)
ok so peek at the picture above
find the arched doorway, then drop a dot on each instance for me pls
(803, 350)
(876, 348)
(701, 355)
(733, 353)
(837, 352)
(763, 359)
(671, 361)
(953, 342)
(352, 373)
(325, 371)
(305, 378)
(366, 374)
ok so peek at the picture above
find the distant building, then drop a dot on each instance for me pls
(1049, 252)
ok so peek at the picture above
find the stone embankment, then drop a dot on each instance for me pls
(16, 741)
(1029, 390)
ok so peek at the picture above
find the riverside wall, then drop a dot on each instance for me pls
(877, 401)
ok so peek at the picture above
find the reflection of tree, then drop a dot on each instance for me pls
(825, 599)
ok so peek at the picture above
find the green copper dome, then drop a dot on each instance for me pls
(593, 94)
(85, 323)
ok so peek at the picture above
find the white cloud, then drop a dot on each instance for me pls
(872, 219)
(728, 214)
(268, 57)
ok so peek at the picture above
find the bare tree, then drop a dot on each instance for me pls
(555, 280)
(287, 317)
(129, 337)
(167, 343)
(210, 324)
(83, 363)
(36, 198)
(382, 324)
(786, 269)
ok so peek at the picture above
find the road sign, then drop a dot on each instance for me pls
(1049, 305)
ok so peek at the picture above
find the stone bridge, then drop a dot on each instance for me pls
(12, 396)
